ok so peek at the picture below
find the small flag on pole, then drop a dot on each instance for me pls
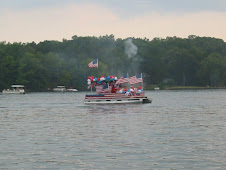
(93, 63)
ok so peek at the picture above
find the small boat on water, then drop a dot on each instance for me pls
(72, 90)
(15, 89)
(110, 90)
(59, 89)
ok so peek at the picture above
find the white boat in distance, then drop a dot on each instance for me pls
(72, 90)
(59, 89)
(15, 89)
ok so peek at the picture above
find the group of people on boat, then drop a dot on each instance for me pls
(109, 85)
(120, 89)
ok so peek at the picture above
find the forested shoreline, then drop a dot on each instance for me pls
(173, 61)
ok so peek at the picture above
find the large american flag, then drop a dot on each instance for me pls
(123, 79)
(93, 63)
(136, 79)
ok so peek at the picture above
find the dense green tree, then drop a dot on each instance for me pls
(212, 70)
(199, 61)
(8, 72)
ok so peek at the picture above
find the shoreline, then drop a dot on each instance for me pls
(186, 88)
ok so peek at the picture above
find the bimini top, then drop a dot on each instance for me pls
(60, 86)
(18, 86)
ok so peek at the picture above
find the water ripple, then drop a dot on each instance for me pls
(179, 130)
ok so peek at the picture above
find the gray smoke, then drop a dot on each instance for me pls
(130, 48)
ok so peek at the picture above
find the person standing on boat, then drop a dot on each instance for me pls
(124, 89)
(140, 90)
(119, 90)
(132, 89)
(113, 89)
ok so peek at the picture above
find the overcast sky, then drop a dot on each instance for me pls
(39, 20)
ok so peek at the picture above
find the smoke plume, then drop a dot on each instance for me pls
(130, 48)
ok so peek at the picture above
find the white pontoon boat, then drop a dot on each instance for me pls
(59, 89)
(15, 89)
(110, 90)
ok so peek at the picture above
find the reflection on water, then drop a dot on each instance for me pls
(115, 108)
(179, 130)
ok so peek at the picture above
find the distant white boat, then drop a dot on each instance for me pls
(59, 89)
(15, 89)
(72, 90)
(157, 88)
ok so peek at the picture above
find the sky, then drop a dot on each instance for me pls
(40, 20)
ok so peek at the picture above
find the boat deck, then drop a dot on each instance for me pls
(111, 98)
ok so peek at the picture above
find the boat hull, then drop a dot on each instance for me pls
(59, 90)
(72, 90)
(13, 92)
(111, 98)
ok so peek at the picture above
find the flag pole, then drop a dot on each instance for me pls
(128, 84)
(142, 81)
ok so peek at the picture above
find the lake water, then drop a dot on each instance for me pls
(178, 130)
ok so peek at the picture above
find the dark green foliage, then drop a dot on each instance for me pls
(192, 61)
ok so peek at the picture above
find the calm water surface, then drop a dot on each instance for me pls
(179, 130)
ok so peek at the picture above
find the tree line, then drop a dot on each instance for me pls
(173, 61)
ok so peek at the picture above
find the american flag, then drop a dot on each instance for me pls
(93, 63)
(123, 79)
(136, 79)
(102, 89)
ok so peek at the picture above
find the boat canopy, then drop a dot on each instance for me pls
(17, 86)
